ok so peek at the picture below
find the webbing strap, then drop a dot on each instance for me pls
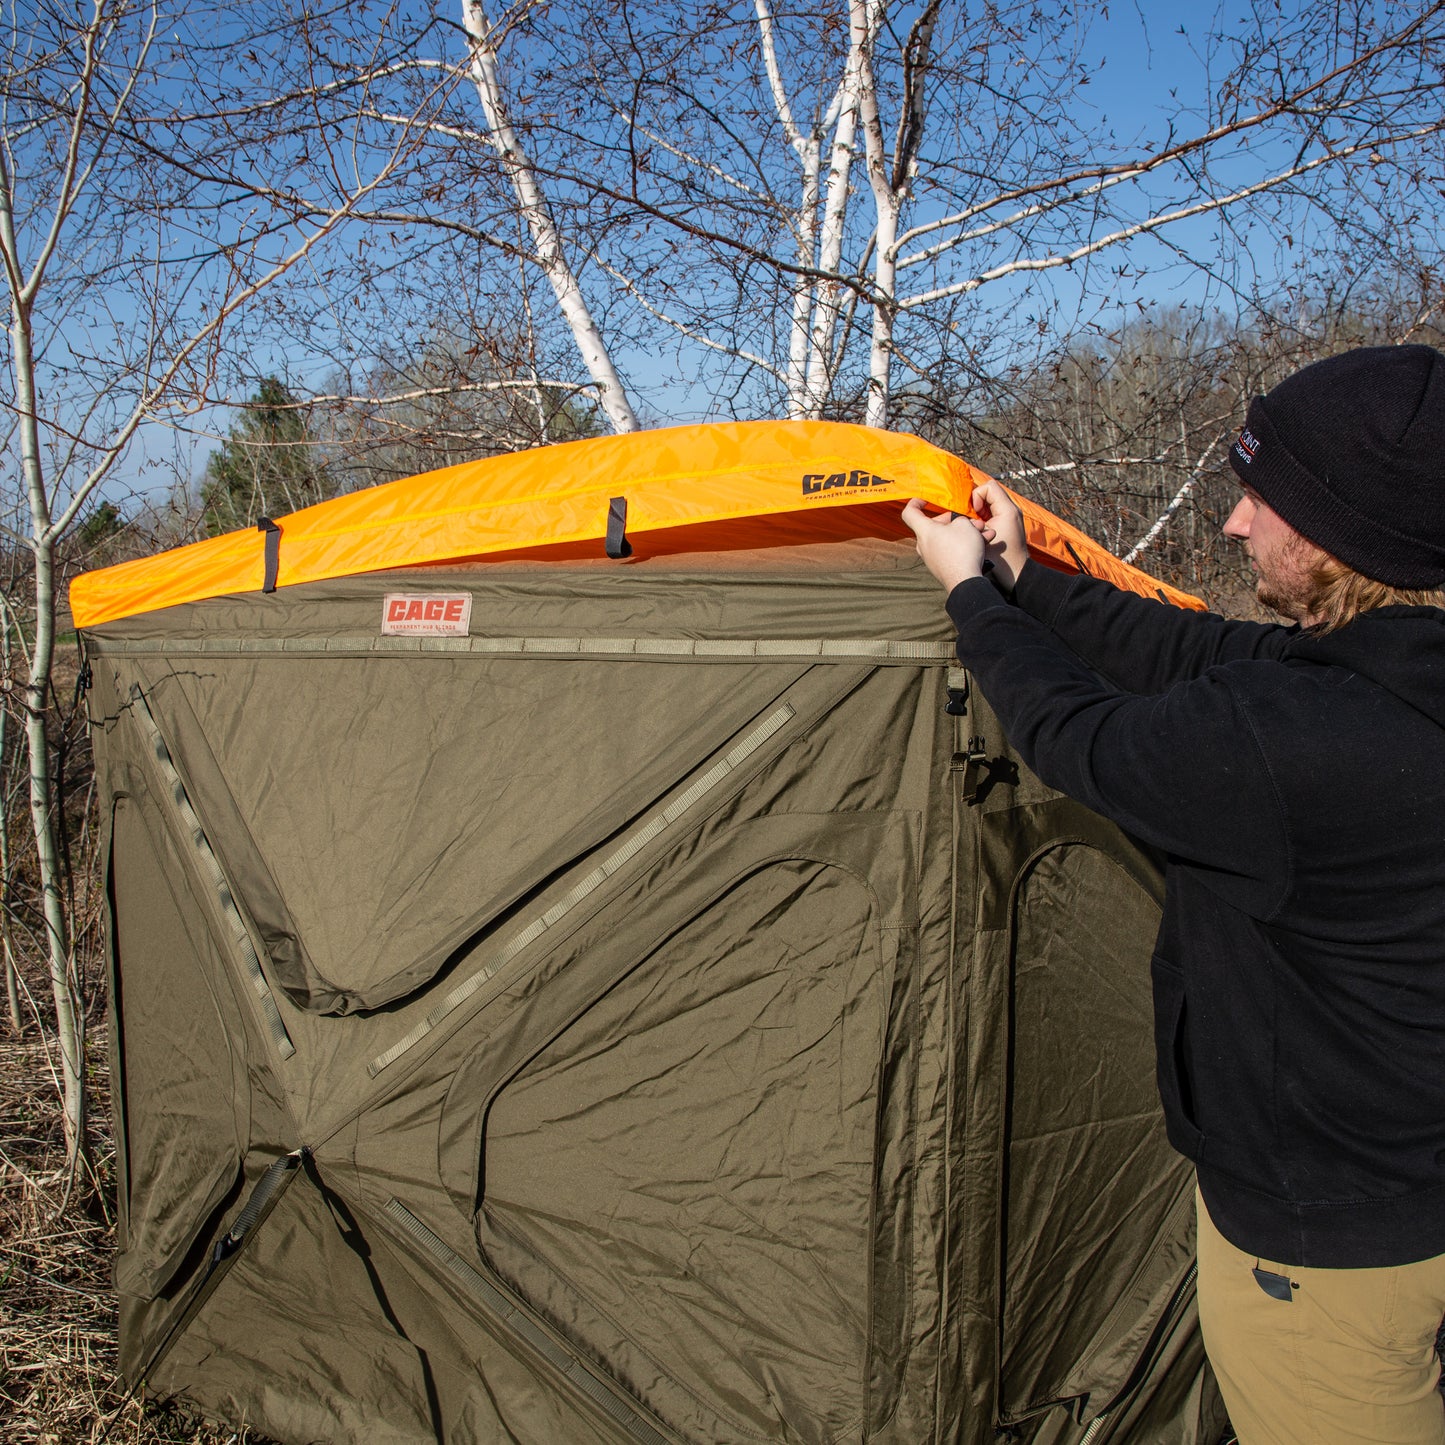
(273, 552)
(817, 649)
(617, 544)
(278, 1174)
(618, 858)
(243, 950)
(608, 1395)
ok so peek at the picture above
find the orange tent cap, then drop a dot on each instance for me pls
(685, 489)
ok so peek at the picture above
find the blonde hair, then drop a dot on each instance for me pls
(1338, 594)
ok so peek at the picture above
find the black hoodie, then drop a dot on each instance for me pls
(1296, 784)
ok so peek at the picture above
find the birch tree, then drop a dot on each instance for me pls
(684, 179)
(484, 39)
(889, 178)
(999, 201)
(129, 254)
(816, 302)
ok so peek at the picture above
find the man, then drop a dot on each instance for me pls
(1294, 778)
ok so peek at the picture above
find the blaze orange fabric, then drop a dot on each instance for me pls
(686, 488)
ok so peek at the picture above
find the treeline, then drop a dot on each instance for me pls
(1126, 434)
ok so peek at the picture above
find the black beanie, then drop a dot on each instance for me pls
(1351, 453)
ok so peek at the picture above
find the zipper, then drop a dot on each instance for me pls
(650, 829)
(605, 1393)
(1145, 1360)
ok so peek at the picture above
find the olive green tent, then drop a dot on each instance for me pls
(582, 998)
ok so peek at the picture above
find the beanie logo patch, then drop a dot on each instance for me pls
(1246, 445)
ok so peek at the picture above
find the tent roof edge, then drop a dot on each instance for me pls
(678, 481)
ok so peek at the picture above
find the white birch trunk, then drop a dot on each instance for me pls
(545, 237)
(821, 362)
(64, 985)
(809, 151)
(890, 186)
(885, 311)
(803, 302)
(886, 201)
(7, 942)
(816, 302)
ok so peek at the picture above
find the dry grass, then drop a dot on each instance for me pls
(57, 1308)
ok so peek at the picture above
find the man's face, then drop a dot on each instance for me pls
(1283, 560)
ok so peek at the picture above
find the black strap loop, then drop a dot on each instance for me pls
(273, 551)
(617, 544)
(277, 1174)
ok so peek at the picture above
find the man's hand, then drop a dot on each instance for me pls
(955, 548)
(1003, 532)
(952, 547)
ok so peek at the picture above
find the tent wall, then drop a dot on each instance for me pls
(699, 1025)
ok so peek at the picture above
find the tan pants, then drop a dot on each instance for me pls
(1348, 1359)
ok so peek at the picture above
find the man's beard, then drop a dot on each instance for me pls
(1289, 586)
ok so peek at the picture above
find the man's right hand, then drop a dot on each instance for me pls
(1003, 532)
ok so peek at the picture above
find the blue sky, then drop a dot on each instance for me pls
(1145, 64)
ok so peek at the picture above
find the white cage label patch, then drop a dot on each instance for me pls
(426, 614)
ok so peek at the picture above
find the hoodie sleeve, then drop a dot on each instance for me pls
(1180, 768)
(1142, 645)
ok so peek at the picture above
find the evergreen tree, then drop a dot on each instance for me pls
(100, 533)
(269, 465)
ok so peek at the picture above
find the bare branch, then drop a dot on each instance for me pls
(161, 385)
(751, 357)
(775, 80)
(550, 255)
(1176, 501)
(1154, 223)
(1292, 104)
